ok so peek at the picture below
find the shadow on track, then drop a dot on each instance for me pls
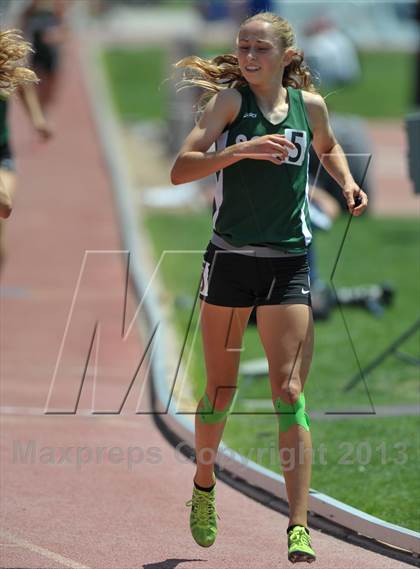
(169, 563)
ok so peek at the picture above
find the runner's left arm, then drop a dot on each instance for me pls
(331, 154)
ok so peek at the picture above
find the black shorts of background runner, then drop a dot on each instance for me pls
(238, 280)
(45, 57)
(6, 157)
(38, 24)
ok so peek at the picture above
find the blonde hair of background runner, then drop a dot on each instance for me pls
(14, 51)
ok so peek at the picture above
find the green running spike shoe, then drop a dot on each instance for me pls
(299, 543)
(203, 523)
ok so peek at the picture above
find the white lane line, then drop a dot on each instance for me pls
(39, 412)
(42, 551)
(8, 410)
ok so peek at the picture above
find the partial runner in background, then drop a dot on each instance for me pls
(14, 76)
(43, 25)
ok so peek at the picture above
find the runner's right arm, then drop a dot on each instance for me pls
(194, 162)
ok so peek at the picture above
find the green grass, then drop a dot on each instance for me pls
(135, 78)
(371, 464)
(385, 89)
(376, 250)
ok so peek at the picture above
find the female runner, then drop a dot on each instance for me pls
(263, 116)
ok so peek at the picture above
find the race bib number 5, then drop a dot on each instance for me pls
(299, 139)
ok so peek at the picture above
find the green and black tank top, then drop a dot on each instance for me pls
(4, 133)
(258, 202)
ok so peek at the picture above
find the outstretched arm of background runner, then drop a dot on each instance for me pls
(331, 154)
(30, 100)
(194, 162)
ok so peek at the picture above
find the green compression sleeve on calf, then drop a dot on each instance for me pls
(209, 415)
(292, 414)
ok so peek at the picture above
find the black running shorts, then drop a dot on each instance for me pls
(6, 158)
(237, 280)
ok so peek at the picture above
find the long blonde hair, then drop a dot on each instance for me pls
(223, 71)
(14, 51)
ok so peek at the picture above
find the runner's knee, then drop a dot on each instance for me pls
(289, 389)
(289, 414)
(215, 410)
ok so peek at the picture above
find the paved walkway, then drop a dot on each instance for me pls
(73, 493)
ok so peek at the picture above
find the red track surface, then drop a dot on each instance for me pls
(102, 514)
